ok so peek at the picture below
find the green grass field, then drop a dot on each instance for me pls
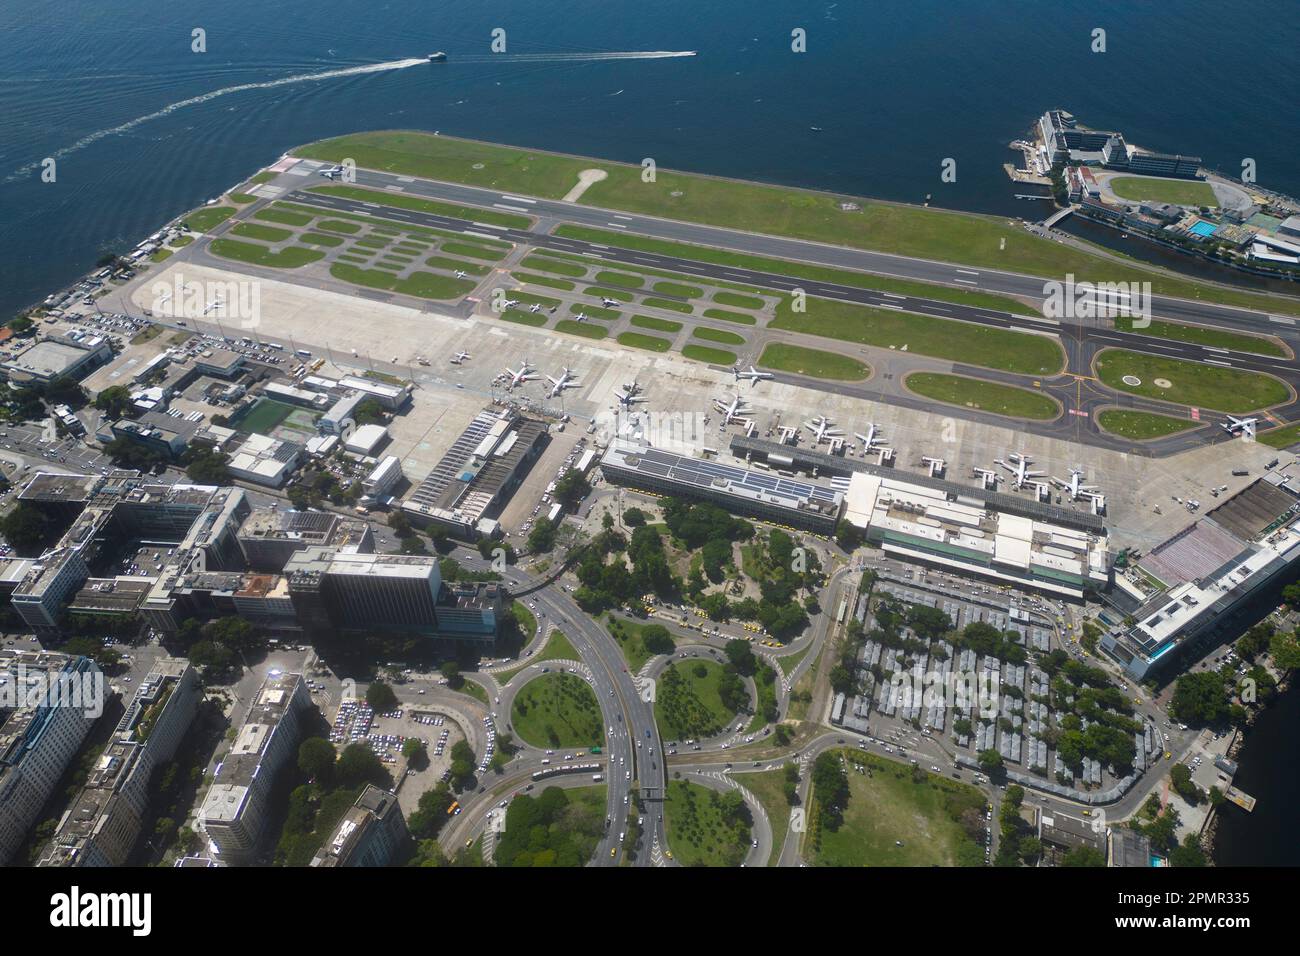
(725, 315)
(264, 416)
(966, 342)
(523, 318)
(557, 266)
(584, 329)
(284, 217)
(688, 703)
(564, 285)
(556, 648)
(452, 265)
(320, 239)
(242, 199)
(678, 289)
(814, 362)
(659, 325)
(738, 301)
(721, 336)
(768, 786)
(423, 285)
(339, 225)
(472, 251)
(1204, 335)
(1281, 437)
(209, 217)
(985, 396)
(594, 312)
(1191, 383)
(291, 258)
(251, 230)
(606, 277)
(620, 294)
(654, 302)
(697, 830)
(701, 353)
(628, 635)
(888, 805)
(557, 710)
(1141, 426)
(1180, 192)
(651, 343)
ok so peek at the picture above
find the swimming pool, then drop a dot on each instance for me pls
(1204, 229)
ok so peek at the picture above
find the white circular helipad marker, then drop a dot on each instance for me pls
(1132, 381)
(1162, 383)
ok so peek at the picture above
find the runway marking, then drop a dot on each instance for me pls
(616, 216)
(615, 225)
(499, 205)
(967, 281)
(522, 199)
(480, 235)
(1283, 319)
(969, 272)
(488, 225)
(893, 295)
(1216, 362)
(1212, 348)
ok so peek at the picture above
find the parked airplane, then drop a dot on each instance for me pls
(871, 439)
(580, 317)
(822, 429)
(509, 304)
(631, 393)
(1018, 465)
(459, 357)
(754, 375)
(558, 385)
(535, 307)
(461, 274)
(731, 410)
(610, 303)
(1244, 425)
(515, 379)
(1075, 485)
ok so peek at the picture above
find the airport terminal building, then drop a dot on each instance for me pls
(1239, 551)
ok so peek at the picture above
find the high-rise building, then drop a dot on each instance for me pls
(104, 822)
(234, 813)
(48, 703)
(371, 833)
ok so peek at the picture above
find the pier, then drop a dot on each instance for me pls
(1240, 798)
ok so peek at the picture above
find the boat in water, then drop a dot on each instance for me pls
(438, 57)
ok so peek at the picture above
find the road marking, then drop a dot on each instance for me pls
(498, 205)
(966, 281)
(615, 225)
(616, 216)
(468, 232)
(893, 295)
(1216, 362)
(519, 199)
(969, 272)
(1212, 348)
(487, 225)
(1283, 319)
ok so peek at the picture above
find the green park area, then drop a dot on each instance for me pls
(775, 790)
(1189, 383)
(983, 395)
(556, 648)
(697, 698)
(705, 827)
(557, 827)
(869, 811)
(639, 642)
(208, 218)
(966, 342)
(1182, 192)
(813, 362)
(557, 710)
(1203, 335)
(292, 257)
(1141, 426)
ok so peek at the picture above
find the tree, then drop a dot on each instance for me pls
(1083, 856)
(414, 752)
(541, 538)
(1200, 698)
(657, 639)
(380, 697)
(634, 517)
(359, 764)
(451, 671)
(990, 760)
(316, 758)
(114, 401)
(206, 465)
(1285, 650)
(571, 488)
(25, 526)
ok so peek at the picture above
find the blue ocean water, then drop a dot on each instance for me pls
(896, 86)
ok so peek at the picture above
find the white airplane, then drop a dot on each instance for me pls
(558, 385)
(610, 303)
(509, 304)
(871, 439)
(731, 411)
(535, 307)
(1244, 425)
(580, 317)
(459, 357)
(1018, 465)
(822, 429)
(1075, 486)
(461, 274)
(515, 379)
(631, 393)
(988, 477)
(754, 375)
(329, 172)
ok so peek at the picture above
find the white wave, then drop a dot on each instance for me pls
(224, 91)
(574, 57)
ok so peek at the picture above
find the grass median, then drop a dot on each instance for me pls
(1190, 383)
(983, 395)
(1141, 426)
(813, 362)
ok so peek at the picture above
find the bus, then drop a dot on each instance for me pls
(452, 809)
(597, 778)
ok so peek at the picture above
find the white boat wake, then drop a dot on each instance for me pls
(224, 91)
(337, 74)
